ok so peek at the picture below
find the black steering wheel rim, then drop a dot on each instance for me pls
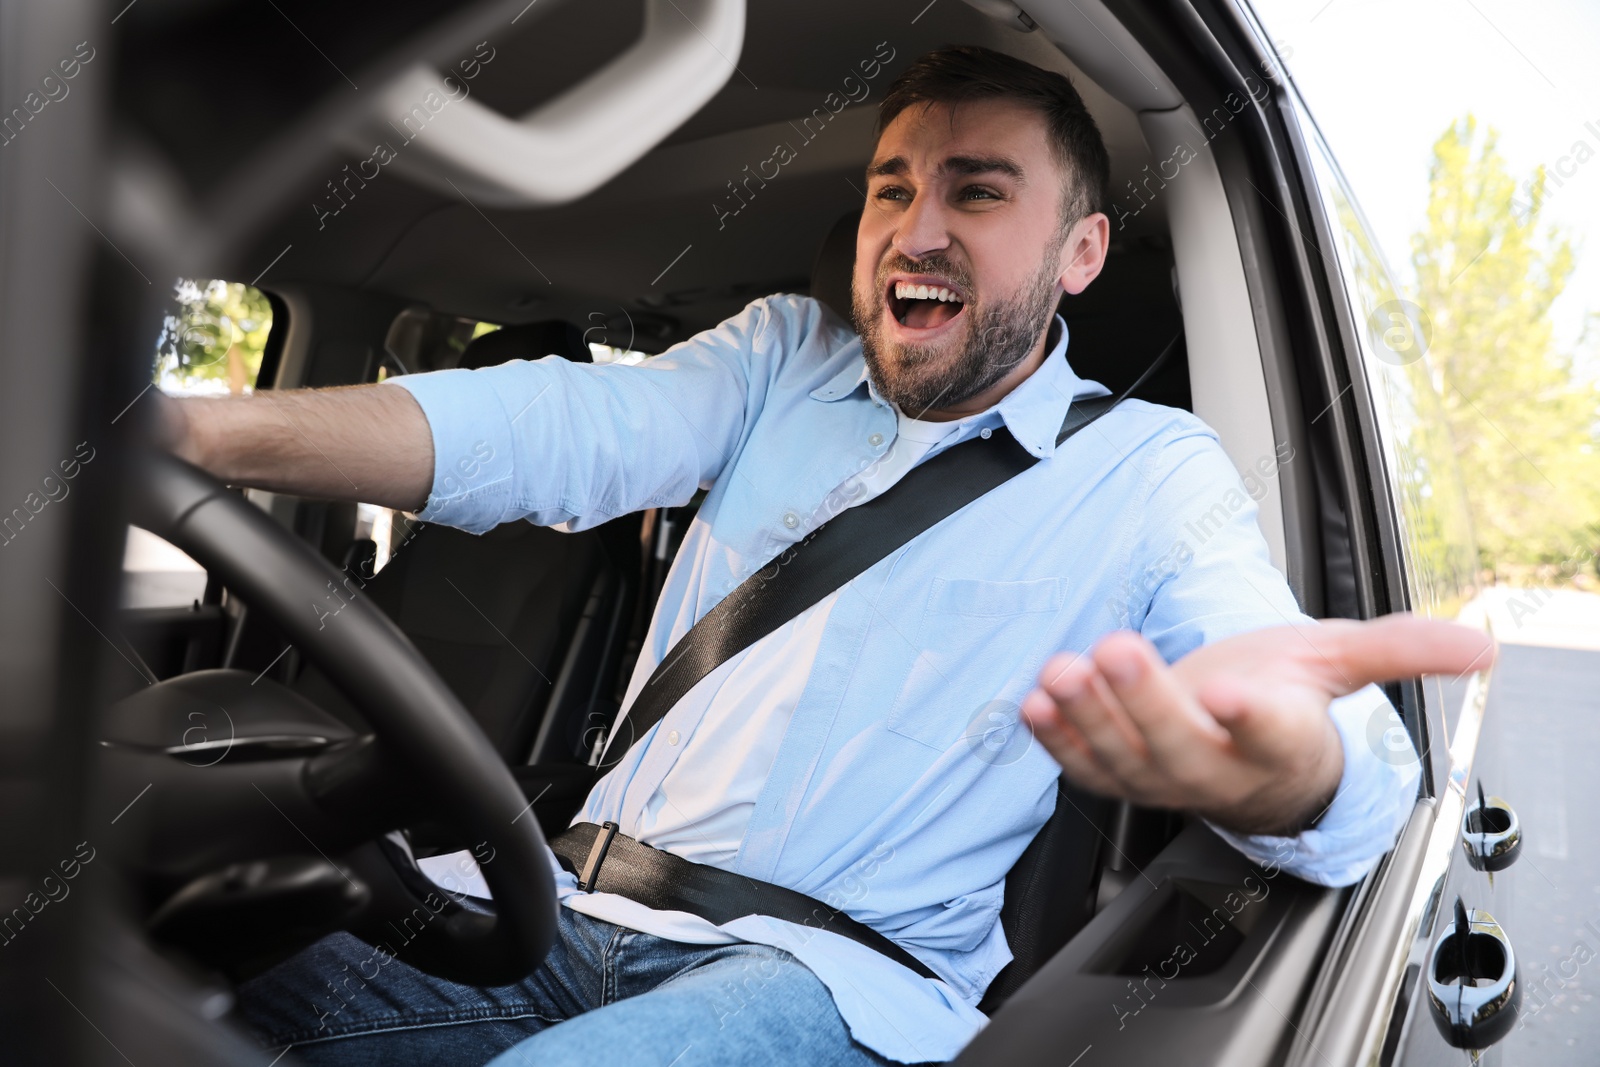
(417, 720)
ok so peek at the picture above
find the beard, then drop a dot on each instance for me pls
(998, 335)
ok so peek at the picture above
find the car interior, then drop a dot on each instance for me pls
(534, 630)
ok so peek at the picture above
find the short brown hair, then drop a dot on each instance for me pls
(962, 73)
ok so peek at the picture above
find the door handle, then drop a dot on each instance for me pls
(1473, 992)
(1491, 833)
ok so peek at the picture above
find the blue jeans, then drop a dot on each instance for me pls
(624, 998)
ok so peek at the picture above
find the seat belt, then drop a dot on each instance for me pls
(837, 552)
(800, 577)
(606, 861)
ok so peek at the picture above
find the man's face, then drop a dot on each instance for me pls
(964, 201)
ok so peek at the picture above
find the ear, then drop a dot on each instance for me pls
(1083, 253)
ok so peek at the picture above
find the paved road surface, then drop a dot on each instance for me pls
(1548, 704)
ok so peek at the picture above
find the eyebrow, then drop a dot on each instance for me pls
(962, 165)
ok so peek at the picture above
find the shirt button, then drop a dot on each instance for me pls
(672, 738)
(985, 433)
(791, 520)
(875, 440)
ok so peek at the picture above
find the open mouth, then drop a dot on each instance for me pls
(924, 304)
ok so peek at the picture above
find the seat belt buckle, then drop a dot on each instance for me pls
(597, 856)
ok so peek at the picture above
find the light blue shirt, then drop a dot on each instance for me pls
(887, 794)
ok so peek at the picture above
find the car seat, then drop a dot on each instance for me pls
(525, 623)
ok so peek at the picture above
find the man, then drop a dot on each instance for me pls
(834, 757)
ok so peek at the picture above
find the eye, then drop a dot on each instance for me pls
(978, 192)
(891, 192)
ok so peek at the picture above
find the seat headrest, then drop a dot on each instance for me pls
(532, 340)
(835, 262)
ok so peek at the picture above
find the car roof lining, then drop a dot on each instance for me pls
(575, 260)
(671, 246)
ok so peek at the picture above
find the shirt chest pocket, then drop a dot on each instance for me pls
(973, 641)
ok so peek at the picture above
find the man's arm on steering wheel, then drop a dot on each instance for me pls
(547, 440)
(360, 442)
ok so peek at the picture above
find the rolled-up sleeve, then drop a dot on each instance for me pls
(1205, 566)
(1376, 794)
(553, 441)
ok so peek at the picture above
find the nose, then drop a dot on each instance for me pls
(923, 228)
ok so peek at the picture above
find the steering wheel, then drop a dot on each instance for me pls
(269, 822)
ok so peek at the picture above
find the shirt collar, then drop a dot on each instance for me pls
(850, 377)
(1033, 412)
(1035, 409)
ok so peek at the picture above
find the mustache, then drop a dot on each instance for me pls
(929, 264)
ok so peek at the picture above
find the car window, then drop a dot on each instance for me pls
(602, 353)
(212, 339)
(1439, 553)
(1436, 532)
(211, 344)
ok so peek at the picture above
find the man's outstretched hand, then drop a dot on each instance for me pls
(1238, 730)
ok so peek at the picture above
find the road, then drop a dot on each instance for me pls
(1547, 702)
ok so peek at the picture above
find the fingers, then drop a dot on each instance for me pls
(1401, 646)
(1119, 723)
(1046, 721)
(1173, 726)
(1064, 684)
(1063, 741)
(1087, 703)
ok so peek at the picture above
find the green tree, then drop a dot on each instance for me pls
(217, 333)
(1522, 421)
